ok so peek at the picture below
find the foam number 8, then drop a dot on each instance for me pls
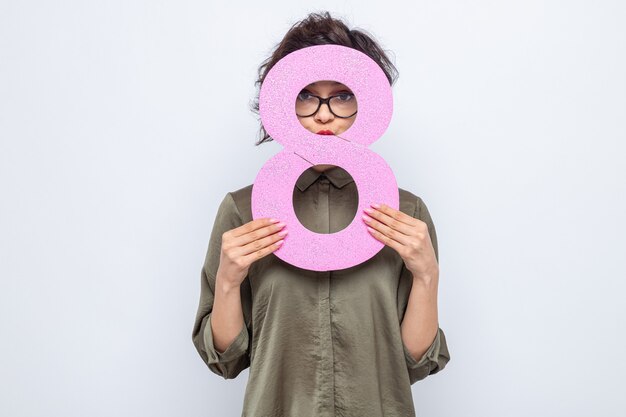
(272, 191)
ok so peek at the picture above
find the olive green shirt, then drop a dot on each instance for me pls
(319, 343)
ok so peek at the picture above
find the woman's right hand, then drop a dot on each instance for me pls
(245, 244)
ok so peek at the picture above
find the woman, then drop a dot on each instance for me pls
(348, 342)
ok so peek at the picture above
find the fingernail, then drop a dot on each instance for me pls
(281, 224)
(280, 242)
(375, 205)
(273, 220)
(283, 233)
(366, 218)
(368, 210)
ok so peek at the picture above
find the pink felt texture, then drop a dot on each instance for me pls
(273, 187)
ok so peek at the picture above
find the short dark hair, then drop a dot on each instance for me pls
(321, 29)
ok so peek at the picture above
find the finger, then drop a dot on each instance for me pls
(396, 215)
(253, 225)
(254, 256)
(386, 230)
(259, 244)
(254, 230)
(397, 246)
(389, 223)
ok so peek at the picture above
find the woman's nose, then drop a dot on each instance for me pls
(324, 115)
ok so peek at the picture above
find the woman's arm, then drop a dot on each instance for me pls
(421, 323)
(231, 355)
(220, 333)
(227, 317)
(415, 239)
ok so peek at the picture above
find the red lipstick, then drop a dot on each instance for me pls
(325, 132)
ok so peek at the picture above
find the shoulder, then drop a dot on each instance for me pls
(414, 206)
(411, 203)
(242, 201)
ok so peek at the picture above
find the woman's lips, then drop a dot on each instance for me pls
(325, 132)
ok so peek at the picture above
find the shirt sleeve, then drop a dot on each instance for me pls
(437, 356)
(433, 361)
(236, 357)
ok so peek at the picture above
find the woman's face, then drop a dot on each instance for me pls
(324, 120)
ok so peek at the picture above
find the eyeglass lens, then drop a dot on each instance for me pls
(341, 104)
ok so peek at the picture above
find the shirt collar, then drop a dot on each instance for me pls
(336, 175)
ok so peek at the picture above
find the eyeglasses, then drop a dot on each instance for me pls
(342, 105)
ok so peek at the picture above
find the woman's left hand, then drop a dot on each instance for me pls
(408, 236)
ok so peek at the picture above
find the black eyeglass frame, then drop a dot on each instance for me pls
(327, 102)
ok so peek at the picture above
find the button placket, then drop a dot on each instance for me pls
(327, 391)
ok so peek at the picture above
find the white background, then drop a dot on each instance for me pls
(124, 123)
